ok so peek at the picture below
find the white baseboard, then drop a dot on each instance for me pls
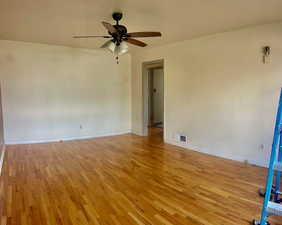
(17, 142)
(2, 158)
(221, 155)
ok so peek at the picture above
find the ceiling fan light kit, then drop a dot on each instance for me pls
(119, 35)
(117, 50)
(110, 45)
(121, 49)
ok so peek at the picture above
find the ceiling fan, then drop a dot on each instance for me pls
(119, 35)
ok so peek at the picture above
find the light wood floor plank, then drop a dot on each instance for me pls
(126, 180)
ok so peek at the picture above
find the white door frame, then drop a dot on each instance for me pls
(146, 66)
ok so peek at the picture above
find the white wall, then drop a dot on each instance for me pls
(218, 92)
(1, 123)
(49, 91)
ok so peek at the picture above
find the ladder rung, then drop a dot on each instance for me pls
(278, 166)
(274, 208)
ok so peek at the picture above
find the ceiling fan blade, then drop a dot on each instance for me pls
(109, 27)
(136, 42)
(92, 36)
(145, 34)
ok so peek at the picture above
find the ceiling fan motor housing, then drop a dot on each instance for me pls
(120, 35)
(121, 29)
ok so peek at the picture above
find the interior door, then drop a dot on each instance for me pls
(158, 96)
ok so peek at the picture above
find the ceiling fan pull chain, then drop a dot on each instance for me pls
(117, 59)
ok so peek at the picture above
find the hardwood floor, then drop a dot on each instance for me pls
(126, 180)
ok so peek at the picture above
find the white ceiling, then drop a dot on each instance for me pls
(56, 21)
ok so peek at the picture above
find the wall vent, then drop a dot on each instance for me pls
(183, 138)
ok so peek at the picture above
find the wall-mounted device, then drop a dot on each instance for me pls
(266, 54)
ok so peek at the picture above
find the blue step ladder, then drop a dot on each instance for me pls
(271, 205)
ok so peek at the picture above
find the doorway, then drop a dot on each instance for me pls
(153, 84)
